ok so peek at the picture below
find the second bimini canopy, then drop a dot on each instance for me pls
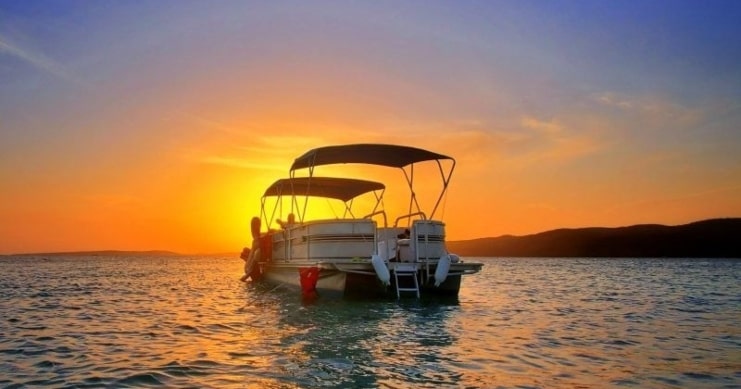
(368, 153)
(344, 189)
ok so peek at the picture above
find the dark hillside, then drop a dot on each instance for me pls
(716, 238)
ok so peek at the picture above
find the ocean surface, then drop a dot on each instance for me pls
(521, 323)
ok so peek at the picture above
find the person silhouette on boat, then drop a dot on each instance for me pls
(288, 223)
(250, 256)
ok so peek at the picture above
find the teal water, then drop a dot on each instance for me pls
(521, 323)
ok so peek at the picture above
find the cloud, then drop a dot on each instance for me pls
(38, 61)
(612, 100)
(549, 128)
(556, 140)
(262, 153)
(290, 142)
(650, 110)
(210, 124)
(482, 144)
(242, 163)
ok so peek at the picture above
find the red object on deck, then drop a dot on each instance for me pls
(309, 278)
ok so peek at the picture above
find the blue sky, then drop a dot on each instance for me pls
(567, 113)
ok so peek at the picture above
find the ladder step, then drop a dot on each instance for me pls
(406, 271)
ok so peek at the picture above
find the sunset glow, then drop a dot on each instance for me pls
(158, 125)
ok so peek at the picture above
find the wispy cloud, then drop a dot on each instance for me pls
(242, 163)
(612, 100)
(650, 110)
(236, 143)
(550, 128)
(291, 141)
(523, 142)
(278, 147)
(557, 140)
(37, 60)
(211, 123)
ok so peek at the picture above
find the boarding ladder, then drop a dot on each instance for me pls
(406, 270)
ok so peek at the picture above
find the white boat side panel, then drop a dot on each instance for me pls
(326, 239)
(428, 239)
(339, 226)
(280, 247)
(329, 249)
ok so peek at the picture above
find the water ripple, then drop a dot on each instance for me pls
(522, 323)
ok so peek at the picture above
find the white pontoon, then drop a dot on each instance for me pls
(353, 255)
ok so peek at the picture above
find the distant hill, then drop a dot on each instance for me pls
(106, 253)
(716, 238)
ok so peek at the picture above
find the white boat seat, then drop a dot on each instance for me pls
(404, 251)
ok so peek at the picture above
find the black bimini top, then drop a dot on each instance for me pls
(374, 154)
(344, 189)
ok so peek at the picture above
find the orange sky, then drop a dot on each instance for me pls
(148, 126)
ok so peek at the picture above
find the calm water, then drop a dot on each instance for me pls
(533, 323)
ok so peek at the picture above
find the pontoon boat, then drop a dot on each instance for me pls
(348, 255)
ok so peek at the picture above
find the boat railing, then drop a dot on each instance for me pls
(382, 213)
(409, 216)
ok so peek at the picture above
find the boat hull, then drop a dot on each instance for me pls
(329, 282)
(359, 280)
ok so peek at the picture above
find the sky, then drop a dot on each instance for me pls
(138, 125)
